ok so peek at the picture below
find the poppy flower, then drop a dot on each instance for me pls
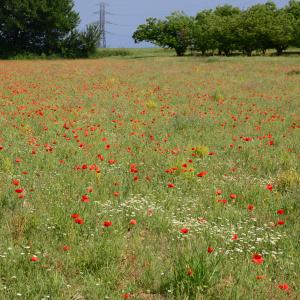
(171, 185)
(250, 207)
(34, 258)
(15, 182)
(116, 194)
(125, 296)
(74, 216)
(202, 174)
(280, 211)
(260, 277)
(222, 201)
(19, 191)
(79, 221)
(66, 248)
(234, 237)
(133, 222)
(269, 187)
(218, 192)
(89, 189)
(107, 223)
(233, 196)
(18, 160)
(257, 259)
(85, 198)
(189, 272)
(284, 286)
(184, 230)
(1, 147)
(280, 222)
(210, 249)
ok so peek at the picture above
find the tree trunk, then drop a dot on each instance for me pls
(279, 51)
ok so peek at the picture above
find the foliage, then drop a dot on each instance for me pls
(227, 29)
(174, 32)
(81, 44)
(35, 26)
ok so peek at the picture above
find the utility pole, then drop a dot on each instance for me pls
(102, 12)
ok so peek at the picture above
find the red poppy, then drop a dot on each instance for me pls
(89, 189)
(171, 185)
(257, 259)
(218, 192)
(107, 223)
(125, 296)
(74, 216)
(234, 237)
(189, 272)
(133, 222)
(15, 182)
(116, 194)
(79, 221)
(184, 230)
(284, 286)
(202, 174)
(210, 249)
(250, 207)
(260, 277)
(85, 198)
(66, 248)
(222, 201)
(19, 191)
(18, 160)
(233, 196)
(34, 258)
(269, 187)
(280, 222)
(280, 211)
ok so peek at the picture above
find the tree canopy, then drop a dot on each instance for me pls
(40, 26)
(226, 29)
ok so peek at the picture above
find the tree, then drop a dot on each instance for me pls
(175, 32)
(36, 26)
(225, 33)
(282, 32)
(255, 26)
(293, 8)
(202, 32)
(81, 44)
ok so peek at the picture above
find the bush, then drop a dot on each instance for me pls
(81, 44)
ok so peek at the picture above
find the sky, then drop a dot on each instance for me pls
(126, 15)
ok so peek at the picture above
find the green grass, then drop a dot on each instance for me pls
(186, 147)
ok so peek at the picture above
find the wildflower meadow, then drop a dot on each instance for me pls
(150, 178)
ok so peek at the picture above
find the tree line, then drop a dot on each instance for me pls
(226, 29)
(44, 27)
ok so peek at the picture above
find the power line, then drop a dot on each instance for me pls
(102, 12)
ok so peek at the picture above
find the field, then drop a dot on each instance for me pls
(150, 178)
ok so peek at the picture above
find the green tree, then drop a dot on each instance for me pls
(225, 28)
(255, 26)
(202, 32)
(81, 44)
(174, 32)
(282, 33)
(293, 8)
(36, 26)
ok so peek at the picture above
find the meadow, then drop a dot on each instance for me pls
(150, 178)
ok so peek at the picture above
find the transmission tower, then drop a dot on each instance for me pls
(102, 12)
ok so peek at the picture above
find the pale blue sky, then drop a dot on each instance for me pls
(131, 13)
